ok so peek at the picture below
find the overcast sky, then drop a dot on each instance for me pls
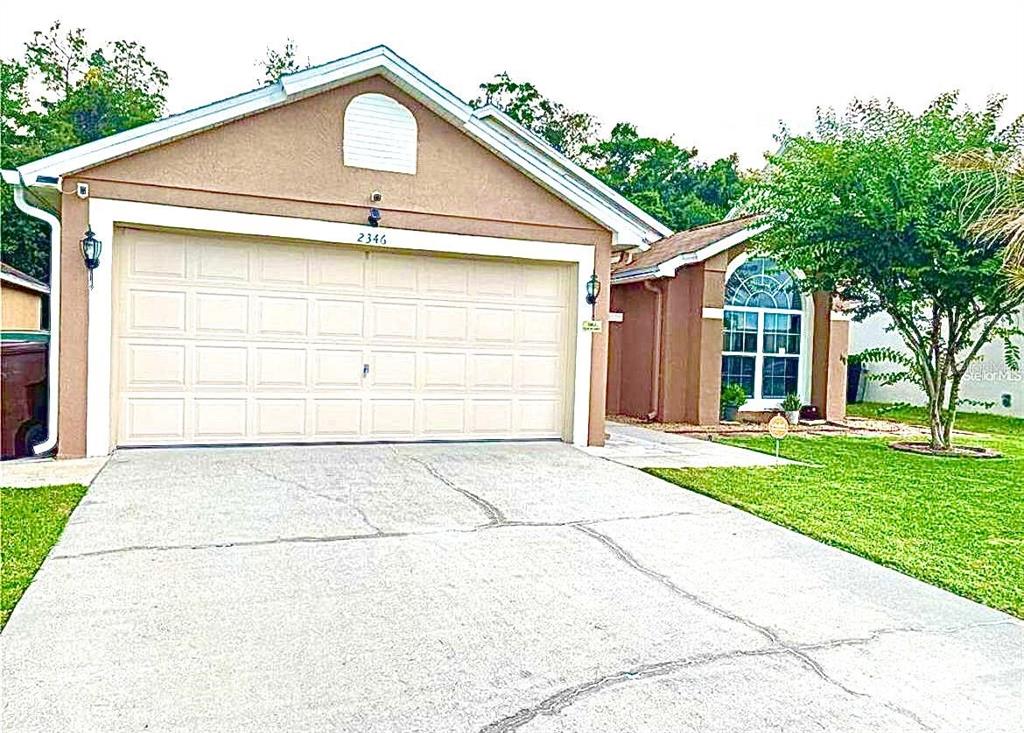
(715, 75)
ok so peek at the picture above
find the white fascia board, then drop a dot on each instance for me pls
(10, 277)
(510, 140)
(152, 134)
(11, 177)
(670, 267)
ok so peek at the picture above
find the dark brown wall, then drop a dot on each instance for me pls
(631, 351)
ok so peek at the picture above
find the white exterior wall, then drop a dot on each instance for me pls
(988, 379)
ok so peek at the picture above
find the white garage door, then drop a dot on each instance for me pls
(236, 340)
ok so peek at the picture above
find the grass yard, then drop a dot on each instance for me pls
(957, 523)
(31, 520)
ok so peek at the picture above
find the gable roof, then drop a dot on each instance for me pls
(490, 127)
(17, 278)
(667, 255)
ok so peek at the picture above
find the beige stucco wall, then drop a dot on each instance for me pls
(288, 162)
(21, 309)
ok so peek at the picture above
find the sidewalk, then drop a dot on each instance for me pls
(640, 447)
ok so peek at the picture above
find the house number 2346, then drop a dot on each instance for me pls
(372, 238)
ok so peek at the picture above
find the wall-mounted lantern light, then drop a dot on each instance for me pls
(91, 248)
(593, 289)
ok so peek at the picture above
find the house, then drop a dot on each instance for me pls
(21, 301)
(349, 254)
(990, 384)
(695, 311)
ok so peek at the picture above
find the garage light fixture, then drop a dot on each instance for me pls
(593, 289)
(91, 248)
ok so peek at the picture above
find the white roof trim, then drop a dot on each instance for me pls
(10, 277)
(506, 138)
(668, 268)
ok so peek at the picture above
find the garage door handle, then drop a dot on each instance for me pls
(366, 370)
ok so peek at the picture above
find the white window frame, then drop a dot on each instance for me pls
(758, 403)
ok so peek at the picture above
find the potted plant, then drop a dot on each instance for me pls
(791, 406)
(733, 397)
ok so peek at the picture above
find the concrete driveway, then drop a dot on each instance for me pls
(485, 587)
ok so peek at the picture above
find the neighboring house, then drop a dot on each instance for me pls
(694, 311)
(21, 300)
(989, 383)
(349, 254)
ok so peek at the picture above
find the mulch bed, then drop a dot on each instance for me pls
(957, 451)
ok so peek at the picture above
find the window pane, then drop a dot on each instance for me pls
(759, 283)
(739, 370)
(739, 331)
(779, 376)
(781, 333)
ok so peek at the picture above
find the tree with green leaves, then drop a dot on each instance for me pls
(276, 64)
(63, 93)
(867, 207)
(663, 179)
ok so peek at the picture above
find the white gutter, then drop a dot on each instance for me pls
(53, 349)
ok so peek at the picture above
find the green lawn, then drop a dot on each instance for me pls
(957, 523)
(31, 520)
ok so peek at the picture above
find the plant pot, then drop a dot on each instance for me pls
(793, 416)
(729, 413)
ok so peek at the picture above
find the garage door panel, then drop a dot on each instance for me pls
(445, 322)
(278, 316)
(225, 263)
(283, 265)
(493, 326)
(541, 327)
(156, 310)
(492, 371)
(154, 365)
(443, 370)
(539, 372)
(444, 417)
(392, 274)
(340, 270)
(280, 418)
(445, 276)
(221, 366)
(338, 318)
(218, 418)
(221, 313)
(392, 370)
(280, 367)
(392, 418)
(392, 321)
(337, 418)
(247, 340)
(159, 255)
(337, 368)
(490, 417)
(160, 419)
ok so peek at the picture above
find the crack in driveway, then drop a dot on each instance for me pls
(347, 502)
(494, 515)
(776, 641)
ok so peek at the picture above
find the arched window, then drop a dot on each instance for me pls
(379, 134)
(763, 341)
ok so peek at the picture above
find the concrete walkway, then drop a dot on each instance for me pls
(640, 447)
(29, 473)
(483, 587)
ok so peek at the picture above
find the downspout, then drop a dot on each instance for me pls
(53, 350)
(656, 351)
